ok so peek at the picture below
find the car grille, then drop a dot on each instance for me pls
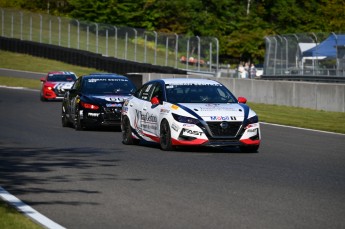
(231, 129)
(112, 113)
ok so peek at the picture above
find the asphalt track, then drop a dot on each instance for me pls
(21, 74)
(89, 179)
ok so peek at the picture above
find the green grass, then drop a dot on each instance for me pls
(20, 82)
(301, 117)
(10, 218)
(25, 62)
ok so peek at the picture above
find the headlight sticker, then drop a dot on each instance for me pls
(174, 107)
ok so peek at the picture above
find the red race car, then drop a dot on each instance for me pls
(54, 85)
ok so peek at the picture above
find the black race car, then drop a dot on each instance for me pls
(96, 100)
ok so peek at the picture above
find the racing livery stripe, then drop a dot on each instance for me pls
(193, 142)
(189, 111)
(135, 132)
(154, 138)
(250, 142)
(246, 110)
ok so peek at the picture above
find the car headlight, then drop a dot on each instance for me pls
(185, 119)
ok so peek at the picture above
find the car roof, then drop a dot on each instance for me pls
(61, 73)
(105, 75)
(189, 81)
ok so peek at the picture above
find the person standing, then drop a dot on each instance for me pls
(246, 70)
(252, 72)
(241, 71)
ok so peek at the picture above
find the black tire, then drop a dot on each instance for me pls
(42, 98)
(64, 120)
(78, 124)
(126, 128)
(165, 137)
(249, 149)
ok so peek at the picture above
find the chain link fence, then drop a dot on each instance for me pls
(194, 54)
(308, 54)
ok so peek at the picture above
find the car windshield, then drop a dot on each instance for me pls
(104, 86)
(62, 77)
(214, 93)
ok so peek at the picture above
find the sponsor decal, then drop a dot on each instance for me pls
(163, 110)
(118, 99)
(211, 105)
(188, 125)
(113, 105)
(216, 107)
(93, 114)
(174, 127)
(252, 130)
(147, 120)
(223, 118)
(94, 80)
(188, 132)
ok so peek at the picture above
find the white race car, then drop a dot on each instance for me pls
(189, 112)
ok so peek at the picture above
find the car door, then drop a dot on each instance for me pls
(73, 97)
(152, 111)
(135, 108)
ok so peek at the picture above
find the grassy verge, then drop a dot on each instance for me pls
(25, 62)
(20, 82)
(10, 218)
(301, 117)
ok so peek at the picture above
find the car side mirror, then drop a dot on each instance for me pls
(154, 101)
(43, 79)
(242, 100)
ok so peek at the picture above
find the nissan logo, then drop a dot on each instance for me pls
(224, 125)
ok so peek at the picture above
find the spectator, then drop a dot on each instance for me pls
(246, 70)
(240, 70)
(252, 71)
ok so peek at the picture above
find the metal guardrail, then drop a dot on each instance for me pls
(307, 54)
(172, 50)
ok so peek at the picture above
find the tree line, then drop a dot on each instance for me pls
(239, 25)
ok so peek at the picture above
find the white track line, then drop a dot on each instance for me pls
(301, 128)
(28, 211)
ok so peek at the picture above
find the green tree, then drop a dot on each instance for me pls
(240, 26)
(331, 15)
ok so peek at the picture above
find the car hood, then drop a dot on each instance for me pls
(61, 85)
(106, 100)
(217, 111)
